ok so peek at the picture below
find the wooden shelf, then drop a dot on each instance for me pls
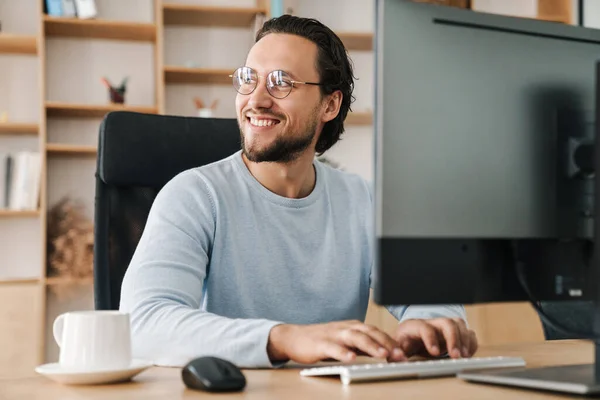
(99, 29)
(184, 14)
(71, 150)
(18, 213)
(362, 41)
(57, 109)
(17, 281)
(555, 11)
(174, 74)
(18, 44)
(57, 280)
(359, 118)
(18, 128)
(554, 18)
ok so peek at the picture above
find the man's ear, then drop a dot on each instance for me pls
(333, 103)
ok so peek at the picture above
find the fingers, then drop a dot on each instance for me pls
(417, 337)
(468, 338)
(393, 350)
(465, 337)
(430, 339)
(363, 342)
(338, 352)
(460, 340)
(435, 336)
(452, 336)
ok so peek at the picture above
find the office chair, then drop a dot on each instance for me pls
(573, 315)
(137, 155)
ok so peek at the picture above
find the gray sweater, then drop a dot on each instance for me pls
(222, 260)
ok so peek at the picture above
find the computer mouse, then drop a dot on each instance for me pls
(213, 374)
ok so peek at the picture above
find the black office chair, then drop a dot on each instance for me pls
(137, 155)
(572, 315)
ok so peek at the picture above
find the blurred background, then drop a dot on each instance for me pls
(65, 64)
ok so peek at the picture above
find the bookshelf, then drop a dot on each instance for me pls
(18, 128)
(17, 44)
(71, 150)
(359, 118)
(58, 281)
(69, 110)
(18, 281)
(99, 29)
(19, 213)
(229, 17)
(174, 74)
(361, 41)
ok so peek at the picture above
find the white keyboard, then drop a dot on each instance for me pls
(412, 369)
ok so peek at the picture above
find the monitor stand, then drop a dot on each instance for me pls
(583, 379)
(574, 379)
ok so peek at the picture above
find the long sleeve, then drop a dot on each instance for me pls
(403, 313)
(162, 289)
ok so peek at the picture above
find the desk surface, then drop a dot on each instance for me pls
(165, 383)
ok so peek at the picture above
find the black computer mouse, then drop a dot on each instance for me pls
(213, 374)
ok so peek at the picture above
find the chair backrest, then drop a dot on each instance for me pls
(572, 315)
(137, 155)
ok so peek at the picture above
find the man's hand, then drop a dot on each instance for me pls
(434, 337)
(341, 341)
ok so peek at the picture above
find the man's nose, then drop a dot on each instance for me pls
(260, 98)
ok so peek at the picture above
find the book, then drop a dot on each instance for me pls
(23, 178)
(9, 172)
(18, 181)
(4, 157)
(34, 183)
(54, 8)
(86, 9)
(68, 8)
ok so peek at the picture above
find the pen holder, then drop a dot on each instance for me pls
(116, 96)
(205, 112)
(202, 110)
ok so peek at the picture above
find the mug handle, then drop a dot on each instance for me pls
(57, 329)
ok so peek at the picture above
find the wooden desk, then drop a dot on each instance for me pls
(165, 383)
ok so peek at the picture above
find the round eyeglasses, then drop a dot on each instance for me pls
(279, 83)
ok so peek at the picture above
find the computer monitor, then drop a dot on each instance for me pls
(484, 157)
(483, 149)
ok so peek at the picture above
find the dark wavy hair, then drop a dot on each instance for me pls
(333, 64)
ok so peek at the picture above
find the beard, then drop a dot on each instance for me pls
(287, 147)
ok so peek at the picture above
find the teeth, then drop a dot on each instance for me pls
(261, 122)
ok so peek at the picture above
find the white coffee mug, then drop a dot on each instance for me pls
(93, 340)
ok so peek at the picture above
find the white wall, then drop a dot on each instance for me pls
(591, 13)
(521, 8)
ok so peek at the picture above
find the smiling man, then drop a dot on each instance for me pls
(266, 256)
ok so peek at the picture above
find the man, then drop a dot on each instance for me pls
(266, 256)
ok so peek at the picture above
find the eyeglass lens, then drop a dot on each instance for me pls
(279, 83)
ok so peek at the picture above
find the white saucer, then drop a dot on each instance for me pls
(82, 377)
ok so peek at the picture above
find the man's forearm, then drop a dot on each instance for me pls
(172, 334)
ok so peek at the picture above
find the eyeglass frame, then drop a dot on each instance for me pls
(293, 82)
